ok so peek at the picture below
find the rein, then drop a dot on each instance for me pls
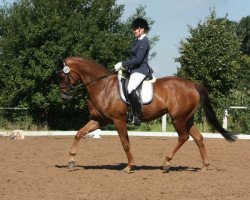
(66, 70)
(105, 76)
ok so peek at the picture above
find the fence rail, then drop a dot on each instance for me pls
(99, 133)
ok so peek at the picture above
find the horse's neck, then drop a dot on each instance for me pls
(97, 91)
(91, 72)
(92, 76)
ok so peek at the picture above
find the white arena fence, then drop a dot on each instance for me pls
(100, 133)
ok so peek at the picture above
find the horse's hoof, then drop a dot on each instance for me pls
(128, 170)
(71, 164)
(205, 168)
(166, 168)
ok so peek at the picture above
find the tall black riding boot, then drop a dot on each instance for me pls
(136, 106)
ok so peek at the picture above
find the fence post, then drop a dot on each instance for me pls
(225, 119)
(164, 123)
(226, 114)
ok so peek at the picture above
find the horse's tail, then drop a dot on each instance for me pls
(210, 114)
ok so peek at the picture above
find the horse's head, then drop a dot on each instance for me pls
(68, 78)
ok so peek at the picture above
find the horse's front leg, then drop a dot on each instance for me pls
(121, 127)
(90, 126)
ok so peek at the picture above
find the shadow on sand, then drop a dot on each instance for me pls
(121, 166)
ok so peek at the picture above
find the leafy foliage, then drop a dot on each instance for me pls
(212, 56)
(35, 32)
(243, 30)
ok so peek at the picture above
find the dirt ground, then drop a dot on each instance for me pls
(36, 168)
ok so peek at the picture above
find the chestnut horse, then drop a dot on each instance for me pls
(178, 97)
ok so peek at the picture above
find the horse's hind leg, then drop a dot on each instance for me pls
(90, 126)
(181, 128)
(198, 138)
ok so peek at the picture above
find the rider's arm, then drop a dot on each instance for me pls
(140, 54)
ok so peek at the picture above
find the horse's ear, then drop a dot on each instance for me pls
(59, 63)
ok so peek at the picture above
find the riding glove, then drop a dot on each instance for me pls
(118, 66)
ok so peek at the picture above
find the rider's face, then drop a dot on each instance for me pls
(138, 32)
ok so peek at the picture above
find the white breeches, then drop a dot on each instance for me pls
(134, 81)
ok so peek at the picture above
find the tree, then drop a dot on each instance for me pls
(35, 32)
(243, 30)
(211, 56)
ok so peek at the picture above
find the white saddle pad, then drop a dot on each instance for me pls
(146, 91)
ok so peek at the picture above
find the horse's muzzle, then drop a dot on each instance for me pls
(67, 97)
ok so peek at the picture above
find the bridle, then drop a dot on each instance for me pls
(69, 86)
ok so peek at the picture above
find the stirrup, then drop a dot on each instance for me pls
(130, 117)
(133, 119)
(136, 121)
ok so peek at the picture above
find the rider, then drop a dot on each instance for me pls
(137, 66)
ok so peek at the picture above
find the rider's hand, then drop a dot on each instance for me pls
(118, 66)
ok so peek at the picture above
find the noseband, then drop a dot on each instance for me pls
(69, 86)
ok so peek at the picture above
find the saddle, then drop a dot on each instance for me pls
(145, 89)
